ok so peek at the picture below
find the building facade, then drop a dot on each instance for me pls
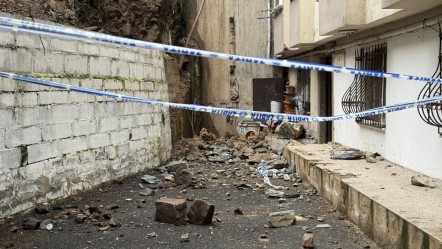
(399, 36)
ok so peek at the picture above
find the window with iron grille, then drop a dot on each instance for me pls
(367, 92)
(302, 92)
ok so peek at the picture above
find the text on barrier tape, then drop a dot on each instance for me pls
(70, 33)
(226, 111)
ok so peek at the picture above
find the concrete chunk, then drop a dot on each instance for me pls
(282, 219)
(171, 211)
(201, 212)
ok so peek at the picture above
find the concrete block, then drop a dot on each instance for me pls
(120, 68)
(65, 112)
(107, 124)
(127, 122)
(86, 110)
(10, 159)
(7, 100)
(97, 84)
(148, 72)
(22, 60)
(7, 38)
(72, 145)
(2, 139)
(27, 87)
(43, 151)
(49, 62)
(139, 133)
(136, 70)
(128, 54)
(76, 64)
(33, 116)
(146, 86)
(131, 108)
(131, 85)
(7, 85)
(89, 48)
(172, 211)
(23, 136)
(99, 140)
(74, 97)
(138, 145)
(27, 99)
(113, 84)
(99, 66)
(53, 97)
(29, 41)
(6, 59)
(84, 127)
(57, 131)
(63, 45)
(110, 51)
(119, 137)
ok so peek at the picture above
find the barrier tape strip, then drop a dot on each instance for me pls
(76, 34)
(257, 115)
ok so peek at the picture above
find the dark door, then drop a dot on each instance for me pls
(265, 91)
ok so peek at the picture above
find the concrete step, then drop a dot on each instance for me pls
(377, 197)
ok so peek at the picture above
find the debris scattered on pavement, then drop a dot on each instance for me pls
(201, 212)
(308, 240)
(184, 238)
(421, 181)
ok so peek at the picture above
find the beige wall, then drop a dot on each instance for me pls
(220, 88)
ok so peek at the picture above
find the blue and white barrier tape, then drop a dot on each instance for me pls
(76, 34)
(227, 111)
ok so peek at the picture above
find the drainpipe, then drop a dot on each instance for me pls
(269, 29)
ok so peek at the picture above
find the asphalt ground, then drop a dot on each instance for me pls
(234, 189)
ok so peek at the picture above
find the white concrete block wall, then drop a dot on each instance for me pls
(55, 143)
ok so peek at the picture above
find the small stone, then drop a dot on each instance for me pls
(13, 229)
(271, 193)
(169, 178)
(287, 177)
(371, 159)
(201, 212)
(215, 176)
(105, 228)
(80, 218)
(292, 195)
(263, 238)
(308, 240)
(419, 180)
(393, 174)
(282, 200)
(238, 211)
(45, 224)
(171, 211)
(282, 219)
(283, 206)
(304, 228)
(279, 164)
(184, 238)
(151, 235)
(112, 206)
(114, 223)
(183, 177)
(150, 179)
(141, 185)
(30, 223)
(323, 226)
(147, 192)
(321, 219)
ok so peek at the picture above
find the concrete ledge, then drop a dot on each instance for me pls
(379, 197)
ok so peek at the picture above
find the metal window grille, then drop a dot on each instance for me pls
(432, 113)
(367, 92)
(302, 92)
